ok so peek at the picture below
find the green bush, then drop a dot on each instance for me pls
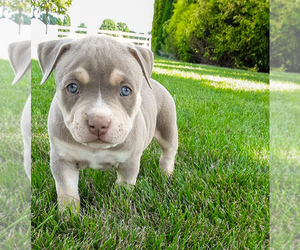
(108, 24)
(227, 33)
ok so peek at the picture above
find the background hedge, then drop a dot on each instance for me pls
(226, 33)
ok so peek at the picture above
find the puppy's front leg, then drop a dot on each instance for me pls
(128, 171)
(66, 176)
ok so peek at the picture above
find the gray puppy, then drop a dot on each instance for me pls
(104, 113)
(19, 56)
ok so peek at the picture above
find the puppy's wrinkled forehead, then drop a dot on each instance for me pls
(96, 59)
(82, 75)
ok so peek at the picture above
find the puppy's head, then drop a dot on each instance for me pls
(99, 83)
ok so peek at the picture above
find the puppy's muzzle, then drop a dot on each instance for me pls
(98, 124)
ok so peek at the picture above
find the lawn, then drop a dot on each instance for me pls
(218, 197)
(14, 184)
(285, 160)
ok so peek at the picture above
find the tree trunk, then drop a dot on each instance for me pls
(19, 22)
(47, 13)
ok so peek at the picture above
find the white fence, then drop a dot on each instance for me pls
(36, 33)
(135, 38)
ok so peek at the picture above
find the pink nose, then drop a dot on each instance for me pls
(98, 125)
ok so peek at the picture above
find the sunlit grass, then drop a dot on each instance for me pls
(215, 81)
(222, 78)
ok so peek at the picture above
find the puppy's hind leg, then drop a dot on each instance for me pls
(167, 137)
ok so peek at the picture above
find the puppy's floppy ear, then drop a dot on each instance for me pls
(144, 57)
(48, 54)
(19, 54)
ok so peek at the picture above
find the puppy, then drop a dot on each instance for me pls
(104, 113)
(19, 56)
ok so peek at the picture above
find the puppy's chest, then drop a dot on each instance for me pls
(100, 159)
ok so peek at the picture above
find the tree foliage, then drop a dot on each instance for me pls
(65, 22)
(228, 33)
(25, 19)
(50, 20)
(108, 24)
(19, 6)
(53, 6)
(123, 27)
(163, 10)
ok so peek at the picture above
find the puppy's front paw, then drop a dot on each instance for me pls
(129, 187)
(166, 165)
(71, 203)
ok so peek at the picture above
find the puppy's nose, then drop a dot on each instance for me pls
(98, 125)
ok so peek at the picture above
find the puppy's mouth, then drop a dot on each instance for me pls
(98, 143)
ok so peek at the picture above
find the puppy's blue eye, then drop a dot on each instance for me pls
(72, 88)
(125, 91)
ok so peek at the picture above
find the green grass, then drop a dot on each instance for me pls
(218, 197)
(285, 160)
(14, 185)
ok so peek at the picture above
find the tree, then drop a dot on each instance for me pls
(108, 24)
(20, 6)
(4, 4)
(123, 27)
(24, 19)
(54, 6)
(163, 11)
(65, 22)
(50, 20)
(34, 5)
